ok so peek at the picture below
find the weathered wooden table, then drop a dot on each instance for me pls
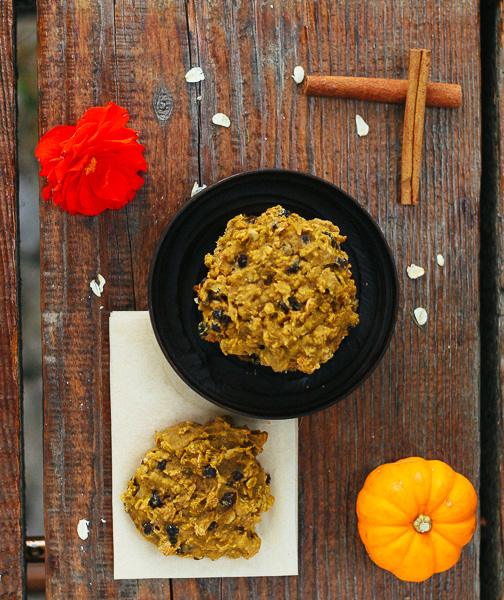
(422, 400)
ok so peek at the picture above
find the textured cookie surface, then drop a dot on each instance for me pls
(279, 291)
(201, 491)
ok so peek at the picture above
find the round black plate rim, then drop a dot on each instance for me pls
(197, 198)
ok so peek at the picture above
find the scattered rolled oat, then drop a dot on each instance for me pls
(414, 271)
(94, 286)
(298, 74)
(198, 98)
(420, 315)
(440, 260)
(362, 126)
(197, 188)
(97, 288)
(82, 529)
(221, 119)
(194, 75)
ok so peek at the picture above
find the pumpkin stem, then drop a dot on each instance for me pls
(422, 524)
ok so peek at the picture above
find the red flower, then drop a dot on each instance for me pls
(93, 166)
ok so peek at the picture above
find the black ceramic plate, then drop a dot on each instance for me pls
(240, 386)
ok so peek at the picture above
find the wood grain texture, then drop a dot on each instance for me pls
(423, 398)
(12, 571)
(492, 300)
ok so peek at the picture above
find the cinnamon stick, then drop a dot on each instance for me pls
(446, 95)
(414, 114)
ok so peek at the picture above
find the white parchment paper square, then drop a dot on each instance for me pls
(148, 396)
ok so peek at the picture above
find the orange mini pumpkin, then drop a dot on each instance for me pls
(415, 516)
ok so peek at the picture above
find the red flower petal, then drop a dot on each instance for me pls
(95, 165)
(50, 144)
(47, 192)
(83, 199)
(111, 116)
(111, 183)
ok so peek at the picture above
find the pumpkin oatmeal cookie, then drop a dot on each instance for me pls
(201, 491)
(279, 291)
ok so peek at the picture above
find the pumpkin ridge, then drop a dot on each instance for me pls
(441, 566)
(469, 519)
(444, 537)
(465, 515)
(441, 502)
(428, 494)
(453, 481)
(380, 498)
(408, 550)
(402, 531)
(437, 506)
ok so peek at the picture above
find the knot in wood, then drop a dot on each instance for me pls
(163, 104)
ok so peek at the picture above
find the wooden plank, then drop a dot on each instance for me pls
(122, 52)
(423, 399)
(492, 299)
(12, 570)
